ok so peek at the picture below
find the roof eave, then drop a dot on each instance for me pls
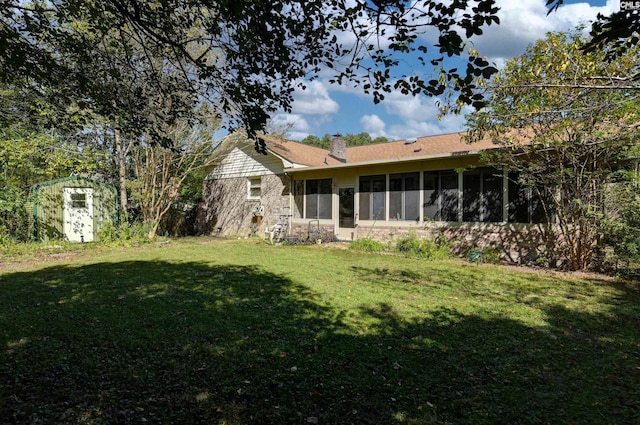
(388, 161)
(285, 162)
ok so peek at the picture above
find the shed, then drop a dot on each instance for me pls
(73, 209)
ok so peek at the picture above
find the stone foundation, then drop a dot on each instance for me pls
(516, 243)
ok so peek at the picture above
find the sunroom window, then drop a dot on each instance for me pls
(404, 196)
(318, 195)
(482, 195)
(372, 195)
(440, 195)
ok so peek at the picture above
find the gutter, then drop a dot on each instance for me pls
(389, 161)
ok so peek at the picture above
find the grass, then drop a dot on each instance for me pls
(205, 331)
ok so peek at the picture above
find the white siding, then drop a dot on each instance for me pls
(247, 164)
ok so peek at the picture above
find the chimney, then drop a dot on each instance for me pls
(338, 149)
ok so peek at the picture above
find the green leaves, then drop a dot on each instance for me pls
(133, 61)
(567, 118)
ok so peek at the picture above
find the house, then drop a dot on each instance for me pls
(72, 208)
(427, 185)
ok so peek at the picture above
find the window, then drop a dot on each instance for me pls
(254, 185)
(525, 205)
(372, 195)
(78, 200)
(404, 196)
(482, 195)
(441, 195)
(318, 196)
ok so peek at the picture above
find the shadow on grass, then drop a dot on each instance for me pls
(158, 342)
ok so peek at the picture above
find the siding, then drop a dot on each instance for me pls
(48, 208)
(240, 163)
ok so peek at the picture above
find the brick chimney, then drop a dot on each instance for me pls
(338, 149)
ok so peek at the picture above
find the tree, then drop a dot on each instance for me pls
(351, 140)
(567, 123)
(34, 149)
(614, 34)
(244, 56)
(161, 172)
(362, 139)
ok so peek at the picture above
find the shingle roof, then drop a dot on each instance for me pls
(311, 156)
(297, 152)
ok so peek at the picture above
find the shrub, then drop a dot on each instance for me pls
(123, 234)
(623, 233)
(368, 245)
(5, 238)
(491, 255)
(412, 246)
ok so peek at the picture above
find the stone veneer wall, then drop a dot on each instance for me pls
(230, 213)
(301, 231)
(516, 243)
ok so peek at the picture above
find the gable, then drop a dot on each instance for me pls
(241, 163)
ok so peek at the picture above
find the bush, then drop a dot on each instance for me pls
(491, 255)
(412, 246)
(123, 234)
(368, 245)
(623, 233)
(15, 214)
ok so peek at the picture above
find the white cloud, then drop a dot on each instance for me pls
(525, 21)
(314, 100)
(415, 128)
(373, 125)
(411, 108)
(297, 126)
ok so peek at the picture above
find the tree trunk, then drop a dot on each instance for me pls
(122, 174)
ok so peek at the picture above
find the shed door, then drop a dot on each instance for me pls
(78, 214)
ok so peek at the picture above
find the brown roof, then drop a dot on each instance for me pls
(445, 144)
(299, 153)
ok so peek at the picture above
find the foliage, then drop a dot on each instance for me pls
(161, 172)
(5, 238)
(562, 138)
(368, 245)
(245, 57)
(490, 255)
(123, 234)
(412, 246)
(622, 232)
(614, 34)
(32, 152)
(14, 213)
(174, 334)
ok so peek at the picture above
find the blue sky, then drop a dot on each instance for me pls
(324, 108)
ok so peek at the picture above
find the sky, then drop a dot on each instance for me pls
(325, 108)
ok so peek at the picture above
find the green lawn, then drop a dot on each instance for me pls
(204, 331)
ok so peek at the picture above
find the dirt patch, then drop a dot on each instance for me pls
(37, 259)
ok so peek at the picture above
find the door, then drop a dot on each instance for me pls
(78, 214)
(346, 210)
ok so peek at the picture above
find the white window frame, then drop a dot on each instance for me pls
(254, 183)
